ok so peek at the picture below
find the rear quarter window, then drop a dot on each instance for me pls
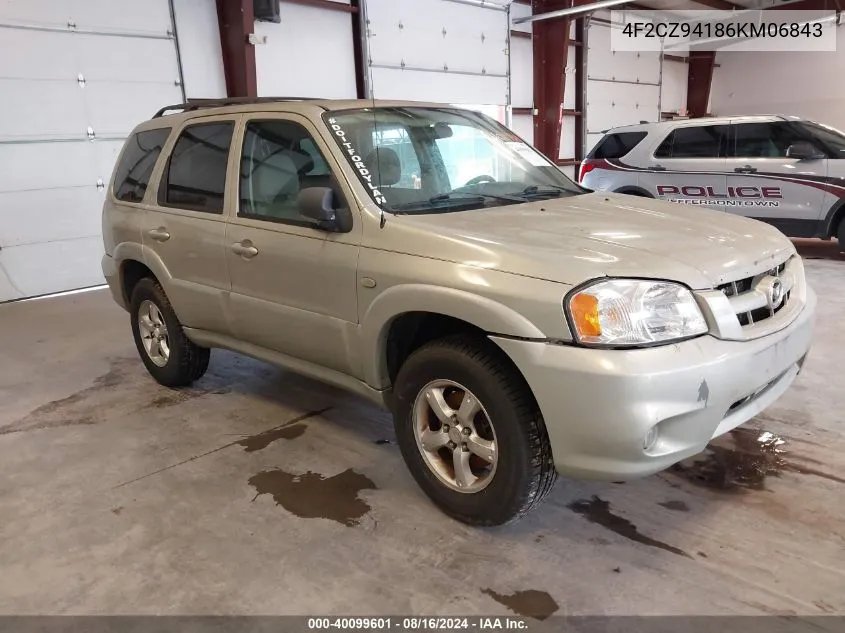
(617, 145)
(132, 175)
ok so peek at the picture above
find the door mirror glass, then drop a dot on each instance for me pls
(442, 130)
(803, 150)
(318, 204)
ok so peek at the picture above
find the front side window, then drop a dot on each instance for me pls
(132, 175)
(279, 159)
(427, 160)
(196, 173)
(764, 140)
(702, 141)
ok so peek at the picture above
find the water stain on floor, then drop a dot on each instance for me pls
(176, 397)
(75, 408)
(312, 496)
(529, 603)
(737, 461)
(263, 440)
(743, 460)
(597, 510)
(677, 506)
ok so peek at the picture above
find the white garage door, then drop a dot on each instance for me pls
(451, 51)
(75, 77)
(623, 88)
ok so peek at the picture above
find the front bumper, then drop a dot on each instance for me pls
(599, 405)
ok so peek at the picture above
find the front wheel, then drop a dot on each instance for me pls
(170, 356)
(471, 432)
(840, 235)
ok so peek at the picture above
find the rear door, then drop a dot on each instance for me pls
(764, 184)
(688, 166)
(124, 210)
(187, 229)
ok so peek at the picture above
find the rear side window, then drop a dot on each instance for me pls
(196, 173)
(132, 175)
(703, 141)
(617, 145)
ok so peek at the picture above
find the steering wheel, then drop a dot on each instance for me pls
(479, 179)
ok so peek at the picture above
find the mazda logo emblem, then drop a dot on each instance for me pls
(775, 294)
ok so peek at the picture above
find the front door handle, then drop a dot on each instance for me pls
(159, 235)
(245, 249)
(748, 169)
(657, 168)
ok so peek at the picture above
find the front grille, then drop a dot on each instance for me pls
(749, 298)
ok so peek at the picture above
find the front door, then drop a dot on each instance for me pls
(187, 228)
(767, 185)
(294, 286)
(688, 167)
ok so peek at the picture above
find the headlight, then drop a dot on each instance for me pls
(630, 312)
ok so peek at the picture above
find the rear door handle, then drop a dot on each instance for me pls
(245, 249)
(159, 235)
(657, 168)
(748, 169)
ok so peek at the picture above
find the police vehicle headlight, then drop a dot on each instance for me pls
(633, 312)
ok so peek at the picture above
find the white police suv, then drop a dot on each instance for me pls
(783, 170)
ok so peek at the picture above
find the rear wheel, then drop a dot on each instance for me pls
(840, 235)
(470, 431)
(170, 357)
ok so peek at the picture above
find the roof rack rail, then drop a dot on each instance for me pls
(197, 104)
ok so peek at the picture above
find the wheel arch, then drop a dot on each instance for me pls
(634, 190)
(418, 313)
(136, 261)
(835, 216)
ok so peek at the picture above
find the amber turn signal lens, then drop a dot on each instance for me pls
(584, 309)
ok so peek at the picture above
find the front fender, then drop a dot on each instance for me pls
(486, 314)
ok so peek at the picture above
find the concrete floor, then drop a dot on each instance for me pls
(119, 496)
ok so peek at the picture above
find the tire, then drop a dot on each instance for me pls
(184, 361)
(523, 472)
(840, 235)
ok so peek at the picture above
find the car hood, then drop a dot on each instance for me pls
(573, 239)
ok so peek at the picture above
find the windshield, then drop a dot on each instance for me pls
(428, 160)
(832, 139)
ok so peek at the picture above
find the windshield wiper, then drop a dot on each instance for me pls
(543, 190)
(453, 200)
(467, 195)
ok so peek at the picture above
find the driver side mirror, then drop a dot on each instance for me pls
(319, 204)
(803, 150)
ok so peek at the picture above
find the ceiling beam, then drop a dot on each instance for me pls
(722, 5)
(576, 8)
(326, 4)
(358, 31)
(236, 21)
(699, 80)
(551, 46)
(809, 5)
